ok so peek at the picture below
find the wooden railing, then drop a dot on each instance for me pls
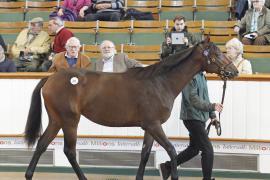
(39, 75)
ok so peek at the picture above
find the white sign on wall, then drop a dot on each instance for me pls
(122, 144)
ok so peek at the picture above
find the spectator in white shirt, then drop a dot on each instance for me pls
(111, 61)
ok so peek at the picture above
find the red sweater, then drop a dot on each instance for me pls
(60, 40)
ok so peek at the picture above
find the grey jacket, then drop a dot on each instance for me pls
(121, 63)
(195, 100)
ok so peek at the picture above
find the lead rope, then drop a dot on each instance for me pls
(217, 123)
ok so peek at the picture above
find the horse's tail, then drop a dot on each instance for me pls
(33, 126)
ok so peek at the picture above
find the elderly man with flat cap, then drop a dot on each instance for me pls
(31, 46)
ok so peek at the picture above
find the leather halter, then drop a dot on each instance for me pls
(224, 76)
(217, 123)
(222, 69)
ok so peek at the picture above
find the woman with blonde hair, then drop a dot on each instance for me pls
(234, 49)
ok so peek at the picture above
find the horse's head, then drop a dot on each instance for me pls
(215, 61)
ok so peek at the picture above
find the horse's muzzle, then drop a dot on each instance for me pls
(228, 74)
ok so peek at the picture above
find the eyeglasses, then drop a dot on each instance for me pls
(73, 47)
(107, 47)
(256, 1)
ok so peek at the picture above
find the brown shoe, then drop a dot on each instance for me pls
(164, 171)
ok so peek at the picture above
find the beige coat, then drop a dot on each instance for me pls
(40, 45)
(243, 65)
(60, 62)
(263, 22)
(121, 63)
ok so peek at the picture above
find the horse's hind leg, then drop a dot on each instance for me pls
(70, 138)
(47, 137)
(158, 134)
(146, 149)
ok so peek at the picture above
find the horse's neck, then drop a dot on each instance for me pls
(182, 74)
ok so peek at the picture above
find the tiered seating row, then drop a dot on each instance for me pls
(149, 33)
(259, 56)
(146, 54)
(131, 32)
(161, 9)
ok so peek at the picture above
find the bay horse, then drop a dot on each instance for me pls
(141, 97)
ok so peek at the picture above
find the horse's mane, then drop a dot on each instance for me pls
(167, 64)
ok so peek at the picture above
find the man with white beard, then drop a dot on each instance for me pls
(111, 61)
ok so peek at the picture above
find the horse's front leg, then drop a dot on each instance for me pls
(158, 134)
(146, 149)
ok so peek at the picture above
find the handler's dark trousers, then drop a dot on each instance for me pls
(199, 141)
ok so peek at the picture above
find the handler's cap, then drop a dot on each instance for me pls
(36, 20)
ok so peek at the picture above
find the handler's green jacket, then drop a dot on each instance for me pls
(195, 100)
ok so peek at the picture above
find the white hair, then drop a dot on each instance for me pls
(58, 21)
(236, 44)
(263, 1)
(73, 40)
(107, 41)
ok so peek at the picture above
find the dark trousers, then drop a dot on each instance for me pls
(25, 66)
(103, 16)
(260, 41)
(199, 141)
(45, 66)
(240, 8)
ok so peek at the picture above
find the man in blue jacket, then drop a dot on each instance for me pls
(196, 109)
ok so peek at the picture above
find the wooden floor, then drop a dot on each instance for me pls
(70, 176)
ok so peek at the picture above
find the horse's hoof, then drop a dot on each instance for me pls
(83, 178)
(164, 171)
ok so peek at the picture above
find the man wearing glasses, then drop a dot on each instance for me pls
(71, 58)
(256, 24)
(111, 61)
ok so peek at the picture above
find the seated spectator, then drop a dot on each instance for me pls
(105, 10)
(256, 25)
(242, 6)
(31, 46)
(6, 65)
(2, 43)
(234, 50)
(169, 47)
(56, 26)
(72, 58)
(111, 61)
(78, 7)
